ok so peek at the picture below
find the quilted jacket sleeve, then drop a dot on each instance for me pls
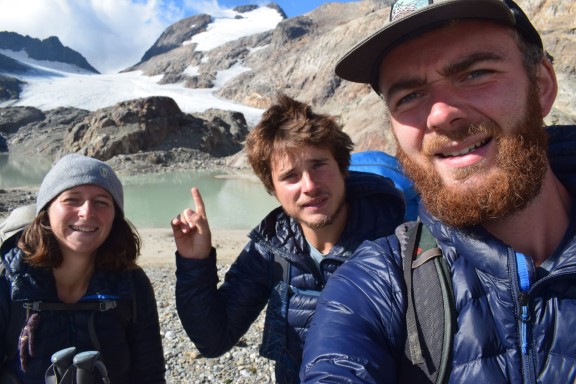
(147, 356)
(4, 311)
(357, 332)
(215, 318)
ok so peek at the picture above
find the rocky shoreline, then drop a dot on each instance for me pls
(11, 198)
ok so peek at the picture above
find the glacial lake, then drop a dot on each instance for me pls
(151, 201)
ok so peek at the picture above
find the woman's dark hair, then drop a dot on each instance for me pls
(289, 125)
(118, 252)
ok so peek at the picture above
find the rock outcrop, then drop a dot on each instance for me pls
(136, 126)
(176, 35)
(39, 133)
(10, 87)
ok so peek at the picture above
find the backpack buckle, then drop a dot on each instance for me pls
(34, 306)
(106, 305)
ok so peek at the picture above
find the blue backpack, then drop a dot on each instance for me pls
(381, 163)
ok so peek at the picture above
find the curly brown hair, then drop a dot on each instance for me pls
(287, 125)
(118, 252)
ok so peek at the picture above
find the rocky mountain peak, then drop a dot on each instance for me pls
(49, 49)
(176, 34)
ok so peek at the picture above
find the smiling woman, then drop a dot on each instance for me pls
(72, 267)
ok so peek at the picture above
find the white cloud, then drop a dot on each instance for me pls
(209, 7)
(110, 34)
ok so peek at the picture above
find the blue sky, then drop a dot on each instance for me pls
(114, 34)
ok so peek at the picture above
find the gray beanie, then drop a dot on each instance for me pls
(75, 170)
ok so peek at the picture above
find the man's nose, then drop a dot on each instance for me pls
(445, 110)
(308, 182)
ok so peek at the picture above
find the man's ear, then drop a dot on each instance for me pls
(547, 86)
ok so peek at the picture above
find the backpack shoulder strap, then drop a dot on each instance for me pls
(16, 320)
(281, 269)
(430, 311)
(21, 311)
(127, 309)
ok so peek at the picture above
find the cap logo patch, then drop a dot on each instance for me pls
(402, 8)
(104, 172)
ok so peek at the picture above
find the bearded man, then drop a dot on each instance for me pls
(467, 84)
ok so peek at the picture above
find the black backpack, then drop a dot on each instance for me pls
(430, 317)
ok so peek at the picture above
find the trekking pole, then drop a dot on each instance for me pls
(99, 365)
(61, 361)
(85, 363)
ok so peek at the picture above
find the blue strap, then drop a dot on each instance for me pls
(100, 296)
(524, 283)
(523, 272)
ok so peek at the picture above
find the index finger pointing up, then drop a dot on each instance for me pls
(198, 202)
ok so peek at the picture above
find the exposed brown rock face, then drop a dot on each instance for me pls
(149, 124)
(302, 65)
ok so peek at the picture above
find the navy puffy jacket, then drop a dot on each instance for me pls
(131, 350)
(215, 319)
(358, 332)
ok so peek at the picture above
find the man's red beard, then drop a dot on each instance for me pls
(521, 166)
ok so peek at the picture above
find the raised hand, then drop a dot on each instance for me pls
(191, 230)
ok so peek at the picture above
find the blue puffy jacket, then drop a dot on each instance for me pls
(359, 330)
(130, 345)
(216, 318)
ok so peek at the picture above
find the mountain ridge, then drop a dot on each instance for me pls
(50, 49)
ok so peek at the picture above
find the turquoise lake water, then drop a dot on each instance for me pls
(151, 201)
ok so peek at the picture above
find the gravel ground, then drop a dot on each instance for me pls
(185, 365)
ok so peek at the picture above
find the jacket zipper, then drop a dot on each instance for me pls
(524, 285)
